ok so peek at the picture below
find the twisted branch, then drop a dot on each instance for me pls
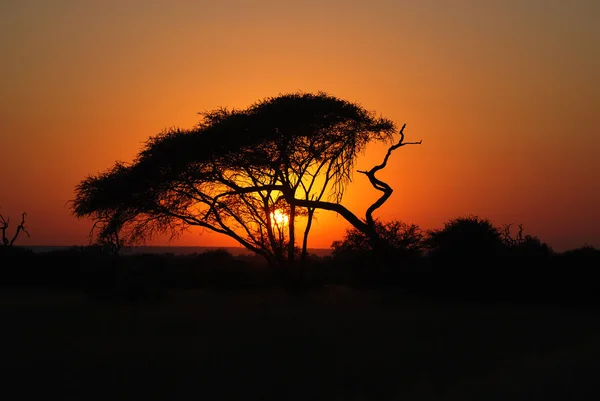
(20, 227)
(380, 185)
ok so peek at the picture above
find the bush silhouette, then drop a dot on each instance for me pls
(585, 258)
(530, 253)
(467, 242)
(403, 244)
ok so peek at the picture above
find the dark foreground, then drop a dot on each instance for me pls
(332, 344)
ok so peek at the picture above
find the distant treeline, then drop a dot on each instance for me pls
(468, 258)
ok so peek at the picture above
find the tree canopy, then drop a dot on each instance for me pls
(230, 173)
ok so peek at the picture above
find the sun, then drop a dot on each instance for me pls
(280, 218)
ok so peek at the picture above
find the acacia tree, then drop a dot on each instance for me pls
(235, 168)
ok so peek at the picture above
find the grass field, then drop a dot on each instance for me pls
(335, 344)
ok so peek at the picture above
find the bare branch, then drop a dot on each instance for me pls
(3, 228)
(20, 228)
(380, 185)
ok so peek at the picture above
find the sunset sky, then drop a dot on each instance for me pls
(504, 94)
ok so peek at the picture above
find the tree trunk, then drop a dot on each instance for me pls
(292, 236)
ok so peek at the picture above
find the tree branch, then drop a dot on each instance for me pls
(3, 228)
(334, 207)
(380, 185)
(20, 227)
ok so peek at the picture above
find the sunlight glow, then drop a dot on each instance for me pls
(280, 218)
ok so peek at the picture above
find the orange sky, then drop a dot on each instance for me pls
(504, 94)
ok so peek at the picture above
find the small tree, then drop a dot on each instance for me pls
(403, 241)
(525, 248)
(4, 223)
(466, 242)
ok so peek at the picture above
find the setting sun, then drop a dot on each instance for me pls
(280, 218)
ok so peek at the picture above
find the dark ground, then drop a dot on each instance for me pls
(334, 344)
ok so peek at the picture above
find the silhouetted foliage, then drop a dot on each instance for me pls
(525, 251)
(466, 242)
(235, 168)
(403, 241)
(586, 257)
(566, 278)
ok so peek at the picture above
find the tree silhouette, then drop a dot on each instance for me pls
(4, 224)
(466, 242)
(235, 168)
(403, 241)
(525, 249)
(585, 257)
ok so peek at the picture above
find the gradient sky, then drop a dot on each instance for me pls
(504, 94)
